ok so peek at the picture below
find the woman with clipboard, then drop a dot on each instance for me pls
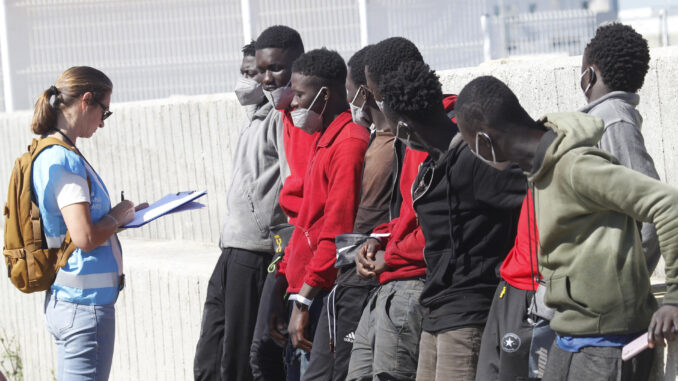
(79, 306)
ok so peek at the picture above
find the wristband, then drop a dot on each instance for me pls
(302, 300)
(113, 218)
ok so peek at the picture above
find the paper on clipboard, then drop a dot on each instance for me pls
(171, 203)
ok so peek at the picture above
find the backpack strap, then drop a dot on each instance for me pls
(36, 147)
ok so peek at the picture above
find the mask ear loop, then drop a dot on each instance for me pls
(486, 136)
(316, 98)
(362, 89)
(591, 76)
(400, 122)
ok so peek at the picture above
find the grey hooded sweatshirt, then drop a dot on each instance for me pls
(623, 139)
(259, 167)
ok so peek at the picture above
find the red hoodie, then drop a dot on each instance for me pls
(298, 149)
(516, 267)
(404, 247)
(331, 193)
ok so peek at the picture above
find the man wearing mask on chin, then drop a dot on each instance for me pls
(468, 212)
(331, 192)
(259, 167)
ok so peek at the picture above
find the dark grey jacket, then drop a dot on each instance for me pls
(623, 139)
(259, 168)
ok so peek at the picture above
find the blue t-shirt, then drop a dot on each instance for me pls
(575, 344)
(60, 179)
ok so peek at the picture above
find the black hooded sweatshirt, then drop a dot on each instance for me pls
(468, 213)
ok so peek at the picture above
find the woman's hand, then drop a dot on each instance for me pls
(123, 213)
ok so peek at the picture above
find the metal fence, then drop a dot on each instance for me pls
(566, 32)
(159, 48)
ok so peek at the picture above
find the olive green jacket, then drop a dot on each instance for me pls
(590, 251)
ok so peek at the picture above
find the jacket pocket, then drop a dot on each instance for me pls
(559, 296)
(255, 213)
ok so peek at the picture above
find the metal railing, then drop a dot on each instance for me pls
(158, 48)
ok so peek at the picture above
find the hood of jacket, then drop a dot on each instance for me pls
(573, 130)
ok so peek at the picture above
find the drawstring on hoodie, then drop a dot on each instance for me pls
(332, 323)
(532, 228)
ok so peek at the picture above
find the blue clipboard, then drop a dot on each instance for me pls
(171, 203)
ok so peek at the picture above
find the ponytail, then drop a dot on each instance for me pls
(73, 83)
(45, 114)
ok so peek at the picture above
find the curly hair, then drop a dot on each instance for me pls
(327, 65)
(412, 90)
(490, 101)
(357, 65)
(248, 50)
(280, 36)
(388, 54)
(621, 54)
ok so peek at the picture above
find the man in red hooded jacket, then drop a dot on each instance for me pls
(331, 192)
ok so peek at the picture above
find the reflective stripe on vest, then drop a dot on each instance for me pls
(84, 282)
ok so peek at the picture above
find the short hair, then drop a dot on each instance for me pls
(248, 50)
(621, 54)
(413, 90)
(327, 65)
(388, 54)
(490, 101)
(357, 65)
(280, 36)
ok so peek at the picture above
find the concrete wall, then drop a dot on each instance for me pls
(155, 147)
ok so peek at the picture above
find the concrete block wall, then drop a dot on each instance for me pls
(155, 147)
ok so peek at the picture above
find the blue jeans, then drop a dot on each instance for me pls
(84, 335)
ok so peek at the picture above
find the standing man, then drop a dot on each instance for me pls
(468, 212)
(331, 192)
(614, 66)
(386, 342)
(259, 166)
(334, 335)
(613, 69)
(590, 253)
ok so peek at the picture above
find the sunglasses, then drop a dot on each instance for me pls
(106, 113)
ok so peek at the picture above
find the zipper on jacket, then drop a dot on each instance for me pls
(308, 239)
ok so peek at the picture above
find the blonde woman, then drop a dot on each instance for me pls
(79, 307)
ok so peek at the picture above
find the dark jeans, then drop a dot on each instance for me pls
(266, 357)
(513, 348)
(229, 316)
(334, 336)
(597, 364)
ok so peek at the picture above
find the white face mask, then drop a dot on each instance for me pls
(500, 165)
(281, 97)
(248, 91)
(358, 113)
(307, 119)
